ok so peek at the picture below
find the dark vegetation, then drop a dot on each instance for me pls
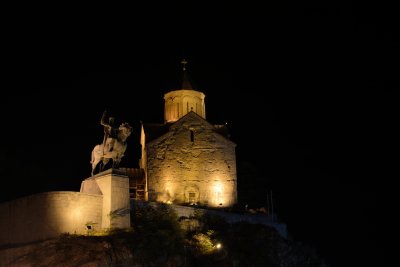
(160, 238)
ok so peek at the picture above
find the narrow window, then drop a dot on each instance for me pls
(191, 135)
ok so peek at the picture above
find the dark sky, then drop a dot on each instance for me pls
(308, 91)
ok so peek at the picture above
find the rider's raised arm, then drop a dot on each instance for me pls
(104, 120)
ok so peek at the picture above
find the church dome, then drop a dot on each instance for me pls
(180, 102)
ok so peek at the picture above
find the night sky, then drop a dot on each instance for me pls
(307, 90)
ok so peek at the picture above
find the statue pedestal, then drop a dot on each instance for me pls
(114, 187)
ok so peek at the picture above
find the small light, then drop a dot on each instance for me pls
(218, 246)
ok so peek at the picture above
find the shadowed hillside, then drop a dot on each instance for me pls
(160, 238)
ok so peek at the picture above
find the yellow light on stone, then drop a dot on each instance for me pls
(218, 188)
(76, 213)
(218, 198)
(168, 195)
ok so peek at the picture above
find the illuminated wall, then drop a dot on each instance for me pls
(180, 102)
(47, 215)
(103, 203)
(192, 164)
(143, 160)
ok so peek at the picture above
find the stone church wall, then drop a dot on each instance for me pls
(192, 164)
(47, 215)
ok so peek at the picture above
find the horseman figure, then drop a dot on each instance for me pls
(110, 132)
(113, 146)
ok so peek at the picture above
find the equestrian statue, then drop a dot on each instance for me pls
(113, 146)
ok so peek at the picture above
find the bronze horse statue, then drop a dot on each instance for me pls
(112, 148)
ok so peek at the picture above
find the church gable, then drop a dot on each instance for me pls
(191, 119)
(192, 125)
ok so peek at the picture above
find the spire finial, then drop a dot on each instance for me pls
(184, 62)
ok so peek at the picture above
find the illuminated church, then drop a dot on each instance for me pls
(187, 160)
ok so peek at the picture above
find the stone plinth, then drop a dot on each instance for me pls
(114, 187)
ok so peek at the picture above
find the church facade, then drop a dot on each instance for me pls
(187, 160)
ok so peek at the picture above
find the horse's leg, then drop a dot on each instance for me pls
(101, 165)
(104, 163)
(94, 166)
(94, 160)
(116, 162)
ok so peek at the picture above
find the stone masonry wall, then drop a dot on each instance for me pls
(47, 215)
(192, 163)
